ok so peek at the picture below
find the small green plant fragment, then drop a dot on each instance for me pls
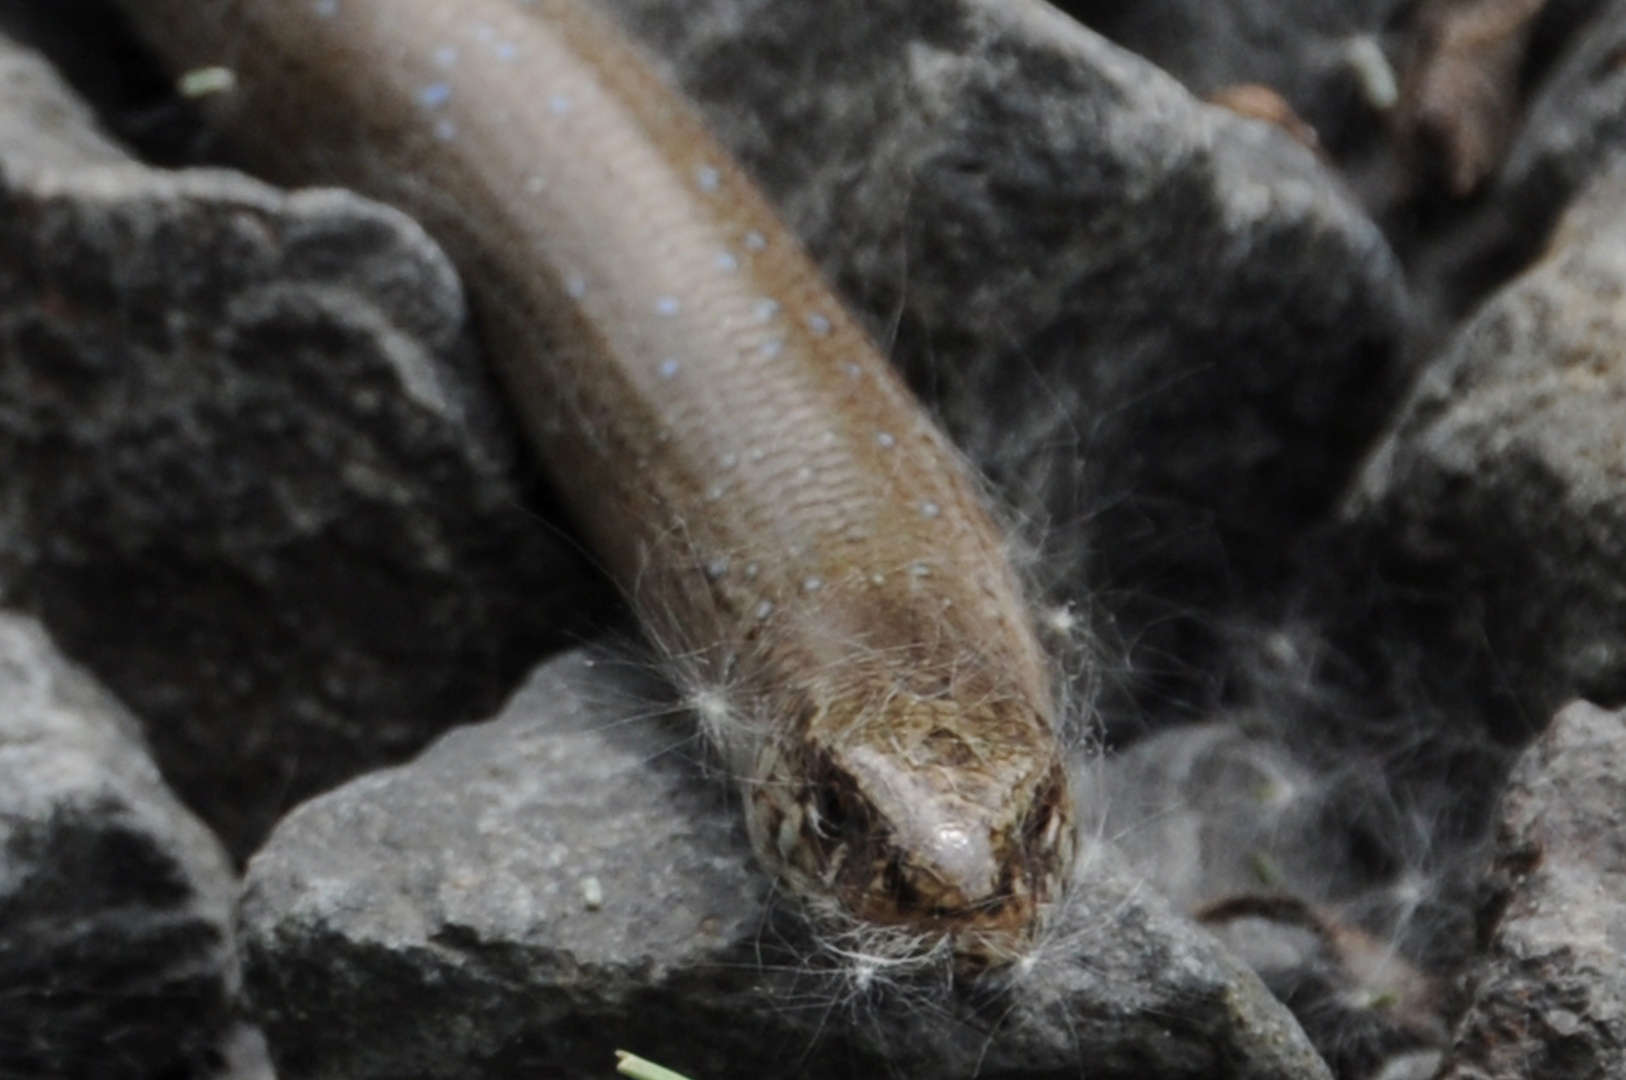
(206, 81)
(632, 1065)
(1267, 870)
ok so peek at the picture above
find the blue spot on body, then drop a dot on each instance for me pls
(435, 95)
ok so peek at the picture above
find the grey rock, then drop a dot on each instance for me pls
(1164, 332)
(43, 126)
(116, 955)
(1325, 57)
(1339, 895)
(1574, 126)
(1567, 130)
(540, 890)
(243, 1055)
(1211, 812)
(1495, 504)
(1549, 1000)
(1367, 1011)
(256, 479)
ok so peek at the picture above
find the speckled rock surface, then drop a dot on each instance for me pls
(1215, 811)
(534, 892)
(1136, 313)
(1578, 119)
(1574, 123)
(1318, 54)
(1497, 498)
(1354, 909)
(258, 481)
(116, 955)
(1563, 126)
(1549, 1000)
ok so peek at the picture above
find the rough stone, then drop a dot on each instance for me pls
(1341, 896)
(1319, 55)
(1549, 1000)
(1163, 331)
(1566, 129)
(1495, 503)
(537, 891)
(116, 955)
(257, 480)
(1574, 124)
(1208, 813)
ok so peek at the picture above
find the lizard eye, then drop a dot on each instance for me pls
(830, 816)
(834, 813)
(897, 885)
(1039, 827)
(1045, 818)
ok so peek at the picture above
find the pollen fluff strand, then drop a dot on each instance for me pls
(729, 442)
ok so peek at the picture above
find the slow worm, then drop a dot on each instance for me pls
(794, 532)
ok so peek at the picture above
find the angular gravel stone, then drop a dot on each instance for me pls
(1352, 911)
(1549, 1001)
(1324, 56)
(1574, 125)
(1209, 813)
(1497, 502)
(1567, 131)
(537, 891)
(116, 957)
(256, 479)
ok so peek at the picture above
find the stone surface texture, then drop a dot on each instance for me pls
(539, 890)
(1318, 54)
(116, 952)
(1549, 999)
(257, 479)
(1498, 500)
(1335, 892)
(1565, 127)
(1574, 124)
